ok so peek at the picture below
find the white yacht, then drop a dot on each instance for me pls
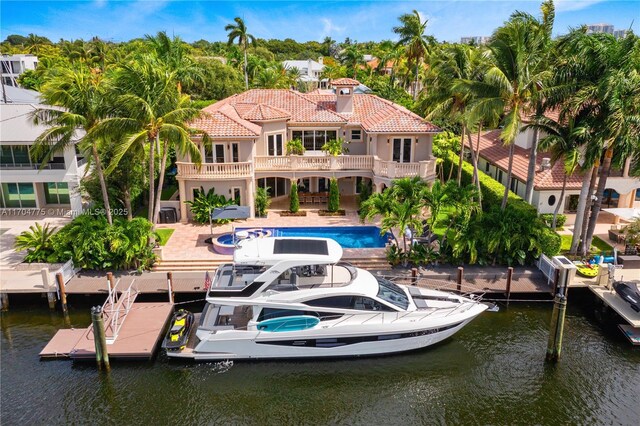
(293, 298)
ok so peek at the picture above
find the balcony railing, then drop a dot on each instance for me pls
(215, 170)
(388, 169)
(32, 166)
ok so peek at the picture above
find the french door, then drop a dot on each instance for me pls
(402, 150)
(275, 145)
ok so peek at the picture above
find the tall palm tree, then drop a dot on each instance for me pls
(598, 76)
(151, 112)
(564, 139)
(81, 95)
(239, 32)
(448, 97)
(411, 32)
(402, 216)
(511, 83)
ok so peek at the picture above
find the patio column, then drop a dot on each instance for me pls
(75, 199)
(250, 183)
(182, 193)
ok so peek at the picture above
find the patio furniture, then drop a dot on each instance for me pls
(629, 261)
(617, 235)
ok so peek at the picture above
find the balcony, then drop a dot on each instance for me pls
(371, 163)
(215, 170)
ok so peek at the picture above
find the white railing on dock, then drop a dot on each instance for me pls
(116, 308)
(547, 268)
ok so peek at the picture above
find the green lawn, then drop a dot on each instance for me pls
(168, 191)
(164, 235)
(598, 243)
(442, 222)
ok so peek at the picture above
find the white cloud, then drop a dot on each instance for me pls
(329, 28)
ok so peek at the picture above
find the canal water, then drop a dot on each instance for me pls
(492, 372)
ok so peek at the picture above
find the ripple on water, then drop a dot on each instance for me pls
(492, 371)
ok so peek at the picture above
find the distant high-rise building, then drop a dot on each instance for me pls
(14, 65)
(620, 33)
(474, 40)
(600, 28)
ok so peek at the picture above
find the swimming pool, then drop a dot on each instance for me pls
(346, 236)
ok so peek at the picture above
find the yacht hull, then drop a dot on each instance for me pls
(323, 344)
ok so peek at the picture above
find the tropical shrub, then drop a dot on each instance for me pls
(335, 147)
(395, 255)
(295, 147)
(294, 202)
(262, 201)
(94, 244)
(561, 219)
(334, 196)
(38, 241)
(632, 233)
(204, 203)
(364, 190)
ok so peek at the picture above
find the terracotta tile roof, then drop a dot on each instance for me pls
(374, 114)
(492, 149)
(262, 112)
(345, 82)
(224, 121)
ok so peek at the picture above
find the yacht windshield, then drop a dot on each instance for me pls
(389, 292)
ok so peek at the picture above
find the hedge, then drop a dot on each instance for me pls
(492, 193)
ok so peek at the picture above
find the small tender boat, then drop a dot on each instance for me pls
(629, 292)
(178, 333)
(587, 270)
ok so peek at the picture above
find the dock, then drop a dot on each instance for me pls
(622, 308)
(132, 329)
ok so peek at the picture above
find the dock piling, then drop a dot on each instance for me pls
(509, 278)
(460, 273)
(63, 293)
(554, 346)
(4, 300)
(100, 338)
(170, 286)
(51, 295)
(414, 276)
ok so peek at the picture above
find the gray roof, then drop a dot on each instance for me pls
(16, 123)
(18, 95)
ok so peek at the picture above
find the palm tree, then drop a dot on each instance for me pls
(174, 55)
(402, 216)
(82, 95)
(239, 32)
(448, 98)
(564, 139)
(596, 76)
(37, 241)
(511, 83)
(150, 112)
(412, 36)
(352, 57)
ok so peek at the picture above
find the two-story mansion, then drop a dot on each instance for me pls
(248, 133)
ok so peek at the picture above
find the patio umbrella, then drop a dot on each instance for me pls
(625, 213)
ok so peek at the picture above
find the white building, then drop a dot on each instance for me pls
(310, 72)
(620, 33)
(475, 40)
(14, 65)
(23, 183)
(600, 28)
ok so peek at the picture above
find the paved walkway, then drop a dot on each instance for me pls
(187, 242)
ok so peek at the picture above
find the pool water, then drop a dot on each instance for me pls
(346, 236)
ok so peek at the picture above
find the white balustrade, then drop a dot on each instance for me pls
(217, 170)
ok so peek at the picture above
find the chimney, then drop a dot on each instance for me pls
(344, 94)
(546, 164)
(321, 60)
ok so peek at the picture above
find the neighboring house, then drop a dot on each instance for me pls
(14, 65)
(249, 131)
(310, 72)
(622, 190)
(374, 64)
(23, 184)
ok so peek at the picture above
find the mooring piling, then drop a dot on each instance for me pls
(509, 278)
(63, 293)
(4, 301)
(99, 336)
(170, 286)
(459, 280)
(414, 276)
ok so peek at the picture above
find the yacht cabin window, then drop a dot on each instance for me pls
(391, 293)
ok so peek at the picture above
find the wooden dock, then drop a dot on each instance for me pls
(611, 299)
(137, 339)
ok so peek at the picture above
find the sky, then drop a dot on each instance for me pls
(299, 20)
